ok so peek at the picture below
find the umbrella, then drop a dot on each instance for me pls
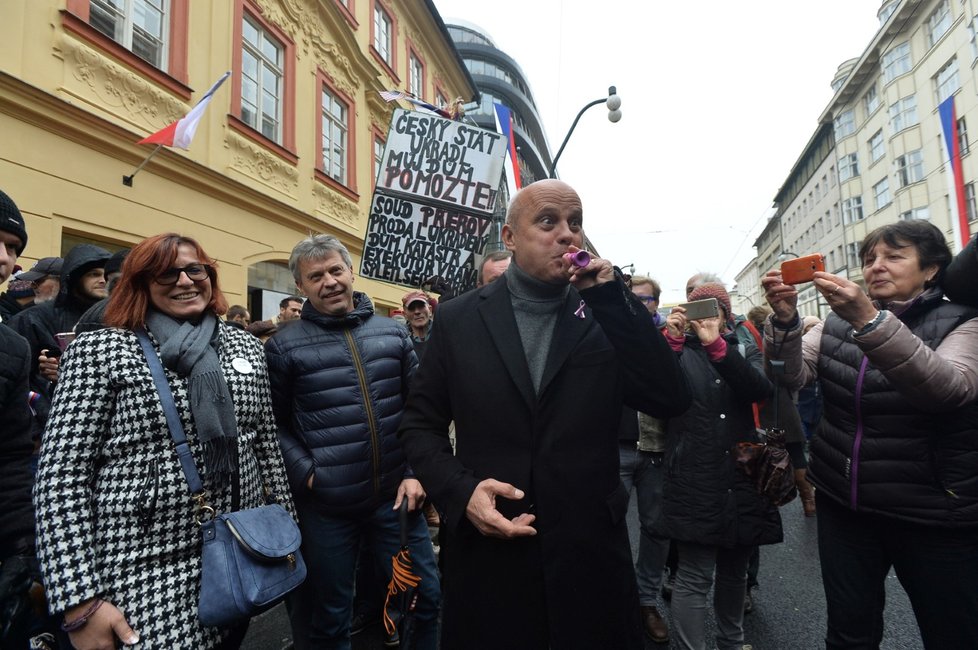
(402, 592)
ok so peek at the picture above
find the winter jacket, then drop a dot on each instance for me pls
(899, 434)
(114, 514)
(339, 384)
(9, 307)
(706, 500)
(16, 447)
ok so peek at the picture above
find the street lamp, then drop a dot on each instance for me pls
(613, 101)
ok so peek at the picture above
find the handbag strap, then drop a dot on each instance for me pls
(172, 417)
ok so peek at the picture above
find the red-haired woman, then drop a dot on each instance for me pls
(117, 540)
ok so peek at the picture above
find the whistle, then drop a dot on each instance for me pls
(579, 259)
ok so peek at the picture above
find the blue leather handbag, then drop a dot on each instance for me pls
(250, 558)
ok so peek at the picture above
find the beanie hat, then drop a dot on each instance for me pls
(18, 288)
(12, 221)
(713, 290)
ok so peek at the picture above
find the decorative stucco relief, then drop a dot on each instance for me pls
(333, 206)
(115, 87)
(304, 22)
(257, 163)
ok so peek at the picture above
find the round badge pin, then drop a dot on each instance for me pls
(241, 365)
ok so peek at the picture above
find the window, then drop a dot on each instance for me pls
(877, 148)
(938, 23)
(335, 129)
(384, 34)
(848, 167)
(263, 82)
(947, 80)
(963, 143)
(887, 11)
(832, 176)
(973, 36)
(845, 124)
(138, 25)
(415, 76)
(969, 201)
(871, 100)
(852, 209)
(440, 100)
(853, 254)
(378, 155)
(262, 77)
(903, 114)
(910, 167)
(881, 193)
(147, 35)
(896, 62)
(916, 213)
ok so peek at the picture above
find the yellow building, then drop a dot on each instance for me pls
(287, 147)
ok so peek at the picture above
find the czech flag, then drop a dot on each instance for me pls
(955, 175)
(504, 125)
(181, 132)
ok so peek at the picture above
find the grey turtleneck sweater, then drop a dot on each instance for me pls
(535, 305)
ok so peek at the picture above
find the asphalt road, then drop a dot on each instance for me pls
(789, 611)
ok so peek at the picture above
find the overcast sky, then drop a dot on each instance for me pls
(718, 97)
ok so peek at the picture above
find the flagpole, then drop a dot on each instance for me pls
(127, 180)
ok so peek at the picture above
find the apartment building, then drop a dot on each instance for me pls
(288, 146)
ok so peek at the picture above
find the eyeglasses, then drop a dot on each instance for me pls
(648, 299)
(196, 272)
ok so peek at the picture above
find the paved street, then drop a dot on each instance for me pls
(789, 612)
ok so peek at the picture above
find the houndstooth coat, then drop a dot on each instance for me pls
(114, 513)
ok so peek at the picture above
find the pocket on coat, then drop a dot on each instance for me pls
(149, 493)
(617, 504)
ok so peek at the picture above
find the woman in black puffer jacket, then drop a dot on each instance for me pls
(710, 509)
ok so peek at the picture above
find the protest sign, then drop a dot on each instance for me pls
(436, 191)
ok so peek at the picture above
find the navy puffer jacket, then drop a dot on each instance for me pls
(339, 384)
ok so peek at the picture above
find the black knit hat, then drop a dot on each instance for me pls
(114, 263)
(12, 221)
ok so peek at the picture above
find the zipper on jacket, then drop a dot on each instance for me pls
(857, 443)
(368, 406)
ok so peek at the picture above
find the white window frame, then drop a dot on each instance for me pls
(969, 201)
(871, 100)
(903, 114)
(938, 23)
(271, 75)
(845, 124)
(384, 34)
(877, 146)
(848, 166)
(852, 209)
(881, 193)
(973, 36)
(125, 25)
(910, 167)
(963, 143)
(415, 76)
(922, 214)
(947, 81)
(335, 157)
(896, 62)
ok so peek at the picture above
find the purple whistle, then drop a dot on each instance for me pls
(579, 259)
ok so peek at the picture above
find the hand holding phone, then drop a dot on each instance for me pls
(700, 309)
(802, 269)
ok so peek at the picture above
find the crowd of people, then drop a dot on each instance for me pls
(515, 419)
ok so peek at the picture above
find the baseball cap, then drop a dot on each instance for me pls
(42, 268)
(414, 296)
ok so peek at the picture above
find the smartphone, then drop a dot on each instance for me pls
(63, 339)
(802, 269)
(698, 309)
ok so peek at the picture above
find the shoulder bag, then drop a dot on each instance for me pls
(250, 558)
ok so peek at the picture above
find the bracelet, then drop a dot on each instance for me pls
(871, 325)
(82, 620)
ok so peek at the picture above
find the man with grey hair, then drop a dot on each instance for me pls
(339, 378)
(493, 265)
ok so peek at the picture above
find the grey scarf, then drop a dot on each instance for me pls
(190, 350)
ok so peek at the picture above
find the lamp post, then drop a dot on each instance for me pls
(613, 101)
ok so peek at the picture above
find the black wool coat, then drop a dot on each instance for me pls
(572, 585)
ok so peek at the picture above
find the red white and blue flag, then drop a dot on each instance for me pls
(504, 125)
(181, 132)
(394, 95)
(955, 174)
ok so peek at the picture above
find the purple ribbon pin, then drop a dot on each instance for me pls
(579, 312)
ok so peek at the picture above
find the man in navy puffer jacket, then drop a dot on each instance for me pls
(340, 376)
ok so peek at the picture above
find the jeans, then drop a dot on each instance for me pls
(697, 566)
(321, 612)
(938, 568)
(644, 470)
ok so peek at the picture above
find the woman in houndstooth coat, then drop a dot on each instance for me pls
(117, 538)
